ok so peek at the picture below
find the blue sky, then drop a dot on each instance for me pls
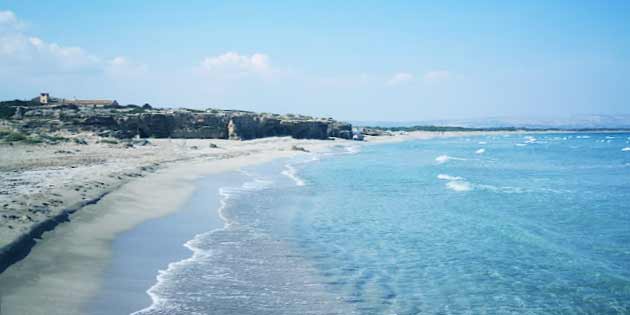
(359, 60)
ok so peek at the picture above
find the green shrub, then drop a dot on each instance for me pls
(109, 141)
(136, 111)
(6, 112)
(15, 137)
(32, 140)
(55, 138)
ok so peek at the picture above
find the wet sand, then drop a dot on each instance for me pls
(65, 268)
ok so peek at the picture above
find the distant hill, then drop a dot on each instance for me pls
(573, 122)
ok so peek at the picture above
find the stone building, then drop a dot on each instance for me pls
(43, 98)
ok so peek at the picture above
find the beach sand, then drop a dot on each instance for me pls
(65, 268)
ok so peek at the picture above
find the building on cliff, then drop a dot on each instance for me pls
(43, 98)
(93, 103)
(46, 99)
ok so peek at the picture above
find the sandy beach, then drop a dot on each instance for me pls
(340, 158)
(114, 187)
(110, 189)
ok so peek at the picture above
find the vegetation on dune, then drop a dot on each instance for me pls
(14, 136)
(138, 110)
(109, 141)
(6, 112)
(54, 139)
(7, 108)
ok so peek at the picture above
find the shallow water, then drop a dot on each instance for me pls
(512, 224)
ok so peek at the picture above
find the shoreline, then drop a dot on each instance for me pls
(40, 190)
(133, 202)
(137, 256)
(102, 222)
(21, 242)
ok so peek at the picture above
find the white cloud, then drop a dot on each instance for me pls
(437, 76)
(122, 66)
(8, 19)
(27, 54)
(400, 78)
(235, 65)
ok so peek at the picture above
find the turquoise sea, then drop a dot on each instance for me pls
(502, 224)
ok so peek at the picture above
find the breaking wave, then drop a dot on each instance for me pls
(162, 298)
(449, 177)
(457, 185)
(291, 173)
(445, 158)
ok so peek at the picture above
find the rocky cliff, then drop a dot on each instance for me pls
(131, 121)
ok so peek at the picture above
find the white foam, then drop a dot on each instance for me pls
(583, 137)
(455, 183)
(459, 186)
(521, 144)
(352, 149)
(161, 304)
(530, 139)
(626, 149)
(480, 151)
(291, 173)
(448, 177)
(483, 142)
(445, 158)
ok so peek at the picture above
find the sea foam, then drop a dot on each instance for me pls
(626, 149)
(530, 139)
(161, 302)
(448, 177)
(291, 173)
(457, 185)
(445, 158)
(480, 151)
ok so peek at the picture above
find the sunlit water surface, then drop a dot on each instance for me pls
(518, 224)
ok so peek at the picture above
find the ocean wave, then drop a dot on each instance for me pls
(455, 183)
(445, 158)
(449, 177)
(291, 173)
(480, 151)
(482, 142)
(459, 185)
(352, 149)
(626, 149)
(530, 139)
(521, 144)
(519, 190)
(162, 305)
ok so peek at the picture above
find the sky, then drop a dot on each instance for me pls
(352, 60)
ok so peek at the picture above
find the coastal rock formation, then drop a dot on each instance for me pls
(130, 121)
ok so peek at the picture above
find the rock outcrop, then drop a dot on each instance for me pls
(131, 121)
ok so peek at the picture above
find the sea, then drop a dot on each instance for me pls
(495, 224)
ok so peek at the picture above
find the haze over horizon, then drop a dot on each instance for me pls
(356, 60)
